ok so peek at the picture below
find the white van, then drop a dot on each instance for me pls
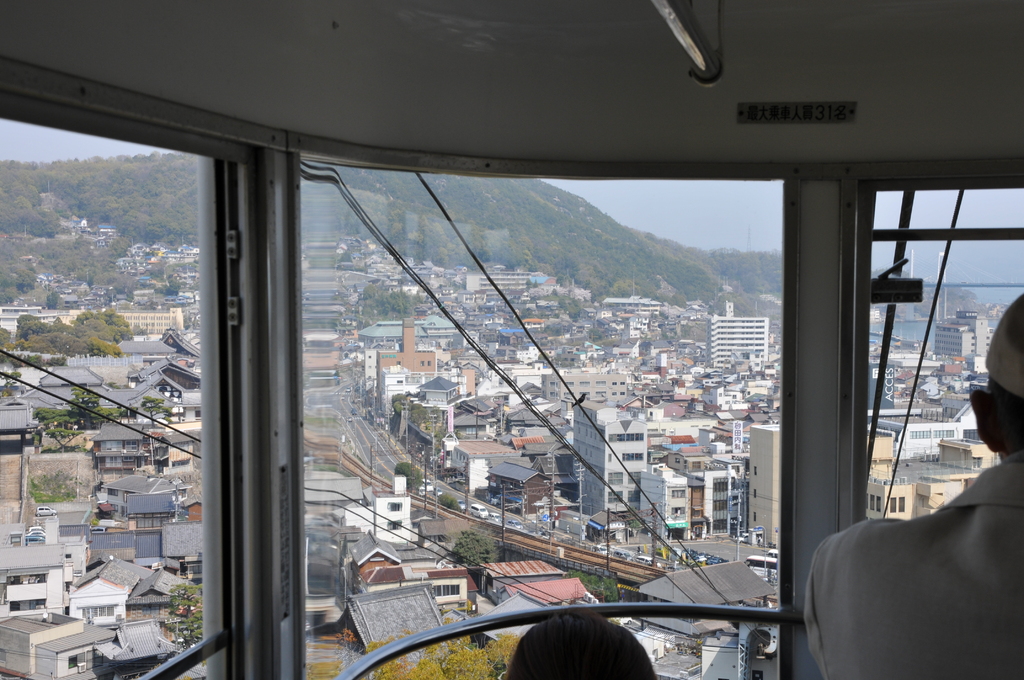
(477, 510)
(643, 559)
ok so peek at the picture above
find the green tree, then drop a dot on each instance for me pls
(102, 348)
(52, 300)
(25, 280)
(449, 501)
(186, 613)
(10, 382)
(473, 548)
(599, 586)
(154, 407)
(54, 417)
(413, 475)
(83, 400)
(29, 326)
(62, 436)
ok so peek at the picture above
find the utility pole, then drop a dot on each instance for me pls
(738, 527)
(578, 469)
(433, 459)
(608, 540)
(503, 518)
(465, 474)
(551, 505)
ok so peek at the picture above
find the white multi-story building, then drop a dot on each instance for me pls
(597, 386)
(390, 517)
(633, 303)
(34, 579)
(506, 280)
(742, 337)
(627, 438)
(666, 490)
(967, 336)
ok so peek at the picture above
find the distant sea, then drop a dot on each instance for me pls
(914, 330)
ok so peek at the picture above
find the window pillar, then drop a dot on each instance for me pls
(254, 578)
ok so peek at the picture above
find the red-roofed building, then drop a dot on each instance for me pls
(497, 575)
(520, 442)
(557, 592)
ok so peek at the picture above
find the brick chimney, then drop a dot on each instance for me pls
(408, 336)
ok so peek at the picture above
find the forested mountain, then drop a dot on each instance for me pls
(530, 224)
(521, 223)
(148, 198)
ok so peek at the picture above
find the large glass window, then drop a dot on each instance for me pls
(926, 450)
(101, 370)
(452, 330)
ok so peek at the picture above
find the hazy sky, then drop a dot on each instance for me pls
(705, 214)
(31, 143)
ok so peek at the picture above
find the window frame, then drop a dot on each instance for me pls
(247, 190)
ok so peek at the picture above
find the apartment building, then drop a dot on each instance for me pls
(627, 440)
(596, 386)
(666, 490)
(34, 579)
(736, 337)
(967, 336)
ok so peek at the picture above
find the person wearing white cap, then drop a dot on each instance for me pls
(940, 596)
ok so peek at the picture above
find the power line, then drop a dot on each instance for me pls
(629, 509)
(920, 358)
(89, 390)
(334, 177)
(103, 416)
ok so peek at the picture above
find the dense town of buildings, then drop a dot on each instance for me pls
(674, 412)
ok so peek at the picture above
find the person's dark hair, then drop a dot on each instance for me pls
(579, 645)
(1010, 411)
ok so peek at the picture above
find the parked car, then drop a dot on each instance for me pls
(622, 554)
(45, 511)
(462, 505)
(643, 559)
(98, 530)
(715, 559)
(31, 539)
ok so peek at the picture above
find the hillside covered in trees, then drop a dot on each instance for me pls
(148, 198)
(529, 224)
(519, 223)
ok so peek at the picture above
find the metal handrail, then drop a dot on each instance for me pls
(194, 656)
(411, 643)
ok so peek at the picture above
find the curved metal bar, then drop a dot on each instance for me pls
(193, 657)
(416, 641)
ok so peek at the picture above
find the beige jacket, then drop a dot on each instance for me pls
(936, 597)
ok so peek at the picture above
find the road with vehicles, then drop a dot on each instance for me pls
(336, 409)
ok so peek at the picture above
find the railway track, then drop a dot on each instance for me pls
(623, 569)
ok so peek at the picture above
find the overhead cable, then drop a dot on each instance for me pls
(309, 172)
(920, 358)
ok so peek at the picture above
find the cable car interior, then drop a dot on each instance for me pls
(885, 139)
